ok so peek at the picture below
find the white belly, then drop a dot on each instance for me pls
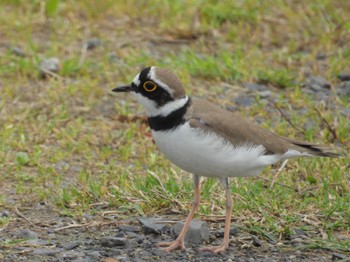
(209, 155)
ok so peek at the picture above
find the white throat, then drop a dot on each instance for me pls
(153, 110)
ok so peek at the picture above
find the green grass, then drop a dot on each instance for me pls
(69, 141)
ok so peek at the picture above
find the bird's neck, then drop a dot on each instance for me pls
(175, 117)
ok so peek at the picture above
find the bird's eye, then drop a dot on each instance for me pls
(149, 86)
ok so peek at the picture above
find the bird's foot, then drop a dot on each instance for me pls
(171, 246)
(215, 249)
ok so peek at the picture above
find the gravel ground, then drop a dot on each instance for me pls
(53, 237)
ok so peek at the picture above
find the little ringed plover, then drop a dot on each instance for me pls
(206, 140)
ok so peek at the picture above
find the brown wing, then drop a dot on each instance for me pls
(238, 130)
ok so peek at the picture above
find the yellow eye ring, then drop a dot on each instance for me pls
(149, 86)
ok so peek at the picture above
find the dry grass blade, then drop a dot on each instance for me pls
(91, 224)
(278, 172)
(330, 129)
(288, 120)
(18, 213)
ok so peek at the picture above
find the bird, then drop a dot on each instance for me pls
(208, 141)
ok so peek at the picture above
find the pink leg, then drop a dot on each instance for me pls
(179, 242)
(225, 242)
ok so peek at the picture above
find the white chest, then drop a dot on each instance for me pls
(209, 155)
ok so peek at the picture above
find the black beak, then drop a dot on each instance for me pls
(126, 88)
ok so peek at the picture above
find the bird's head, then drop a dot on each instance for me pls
(159, 90)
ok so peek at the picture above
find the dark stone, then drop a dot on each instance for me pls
(244, 100)
(316, 83)
(17, 51)
(234, 231)
(46, 251)
(255, 87)
(152, 225)
(121, 234)
(4, 213)
(256, 241)
(132, 234)
(24, 233)
(339, 256)
(321, 56)
(113, 58)
(139, 240)
(297, 240)
(344, 76)
(299, 232)
(51, 64)
(95, 255)
(345, 111)
(93, 43)
(113, 241)
(71, 254)
(198, 231)
(38, 242)
(270, 238)
(322, 95)
(265, 94)
(339, 236)
(344, 89)
(146, 244)
(71, 245)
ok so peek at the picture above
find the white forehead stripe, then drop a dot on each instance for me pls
(136, 80)
(152, 75)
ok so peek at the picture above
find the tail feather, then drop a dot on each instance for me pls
(314, 149)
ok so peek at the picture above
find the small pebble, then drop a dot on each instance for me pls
(344, 76)
(4, 213)
(316, 83)
(25, 233)
(93, 43)
(71, 245)
(46, 251)
(299, 232)
(233, 231)
(121, 234)
(17, 51)
(343, 89)
(132, 234)
(95, 255)
(255, 87)
(340, 256)
(38, 242)
(297, 240)
(113, 241)
(152, 225)
(244, 100)
(322, 95)
(113, 58)
(71, 254)
(256, 241)
(265, 94)
(51, 64)
(198, 232)
(127, 228)
(321, 56)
